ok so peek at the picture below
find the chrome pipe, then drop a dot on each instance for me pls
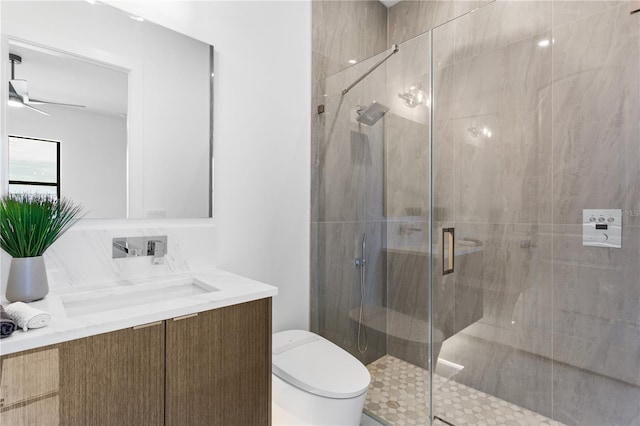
(395, 48)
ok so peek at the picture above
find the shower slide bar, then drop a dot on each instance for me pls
(361, 262)
(395, 48)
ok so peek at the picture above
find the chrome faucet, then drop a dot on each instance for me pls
(140, 246)
(126, 247)
(157, 249)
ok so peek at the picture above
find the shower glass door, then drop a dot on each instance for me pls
(534, 119)
(491, 175)
(371, 180)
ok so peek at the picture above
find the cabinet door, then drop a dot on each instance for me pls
(218, 367)
(30, 391)
(110, 379)
(124, 376)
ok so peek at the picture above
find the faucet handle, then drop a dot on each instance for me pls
(156, 248)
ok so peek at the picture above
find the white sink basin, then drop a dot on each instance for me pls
(93, 301)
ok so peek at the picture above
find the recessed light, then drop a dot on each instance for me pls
(544, 43)
(352, 61)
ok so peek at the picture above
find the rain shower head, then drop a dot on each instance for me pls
(371, 114)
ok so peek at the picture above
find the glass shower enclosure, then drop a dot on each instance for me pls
(466, 162)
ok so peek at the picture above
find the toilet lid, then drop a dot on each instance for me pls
(316, 365)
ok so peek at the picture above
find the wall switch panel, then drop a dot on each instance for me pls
(602, 228)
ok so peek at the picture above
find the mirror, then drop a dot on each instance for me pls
(106, 109)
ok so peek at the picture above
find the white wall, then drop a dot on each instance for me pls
(262, 151)
(93, 154)
(261, 145)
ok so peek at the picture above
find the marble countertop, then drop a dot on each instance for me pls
(231, 290)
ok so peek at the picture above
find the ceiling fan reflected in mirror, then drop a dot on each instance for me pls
(19, 95)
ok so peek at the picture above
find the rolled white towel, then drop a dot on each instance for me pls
(27, 317)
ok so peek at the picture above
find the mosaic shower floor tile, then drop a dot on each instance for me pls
(399, 390)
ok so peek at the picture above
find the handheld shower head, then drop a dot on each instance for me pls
(371, 114)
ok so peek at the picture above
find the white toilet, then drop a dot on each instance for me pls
(315, 382)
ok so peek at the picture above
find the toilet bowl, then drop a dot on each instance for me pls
(315, 382)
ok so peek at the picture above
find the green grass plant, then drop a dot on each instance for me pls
(30, 223)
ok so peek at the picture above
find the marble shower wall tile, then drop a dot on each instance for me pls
(338, 282)
(376, 256)
(347, 30)
(566, 11)
(375, 28)
(599, 401)
(410, 18)
(337, 278)
(444, 46)
(499, 24)
(314, 291)
(341, 31)
(406, 167)
(347, 170)
(317, 123)
(375, 90)
(503, 176)
(406, 158)
(444, 149)
(374, 172)
(596, 104)
(408, 70)
(411, 61)
(597, 304)
(342, 158)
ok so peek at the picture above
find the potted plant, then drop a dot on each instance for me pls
(29, 224)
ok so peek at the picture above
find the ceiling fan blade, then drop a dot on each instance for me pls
(36, 109)
(20, 88)
(41, 102)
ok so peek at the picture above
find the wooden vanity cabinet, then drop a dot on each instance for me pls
(218, 367)
(213, 368)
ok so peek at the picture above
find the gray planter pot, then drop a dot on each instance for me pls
(27, 279)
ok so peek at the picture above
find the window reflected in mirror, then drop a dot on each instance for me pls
(34, 166)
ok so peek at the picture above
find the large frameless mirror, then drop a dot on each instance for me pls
(125, 106)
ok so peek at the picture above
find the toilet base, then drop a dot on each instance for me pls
(293, 406)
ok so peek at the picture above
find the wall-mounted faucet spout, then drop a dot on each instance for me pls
(140, 246)
(125, 247)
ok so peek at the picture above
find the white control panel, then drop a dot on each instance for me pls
(602, 228)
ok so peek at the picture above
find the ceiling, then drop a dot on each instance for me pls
(57, 77)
